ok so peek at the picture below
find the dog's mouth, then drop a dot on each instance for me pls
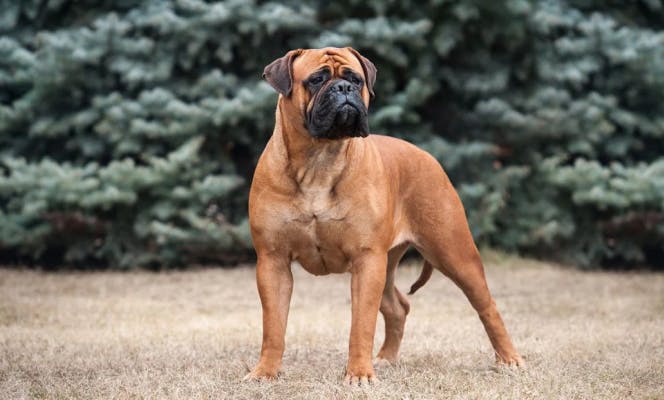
(346, 116)
(336, 121)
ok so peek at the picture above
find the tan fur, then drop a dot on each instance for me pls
(354, 205)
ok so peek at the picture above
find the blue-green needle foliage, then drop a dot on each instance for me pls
(129, 129)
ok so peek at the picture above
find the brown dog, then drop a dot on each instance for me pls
(334, 199)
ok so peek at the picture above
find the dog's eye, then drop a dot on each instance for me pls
(316, 80)
(355, 80)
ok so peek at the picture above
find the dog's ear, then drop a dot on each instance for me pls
(369, 70)
(279, 73)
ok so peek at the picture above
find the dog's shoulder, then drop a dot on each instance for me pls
(391, 147)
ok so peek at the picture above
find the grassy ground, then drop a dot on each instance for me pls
(193, 335)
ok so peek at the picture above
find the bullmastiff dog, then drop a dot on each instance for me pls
(327, 194)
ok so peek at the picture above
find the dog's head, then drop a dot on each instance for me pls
(328, 88)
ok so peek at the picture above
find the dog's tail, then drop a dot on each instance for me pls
(427, 269)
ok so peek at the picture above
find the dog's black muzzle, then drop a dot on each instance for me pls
(338, 112)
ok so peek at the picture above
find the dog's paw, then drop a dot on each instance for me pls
(360, 376)
(262, 373)
(360, 380)
(380, 362)
(512, 360)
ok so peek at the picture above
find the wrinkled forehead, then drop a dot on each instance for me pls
(313, 60)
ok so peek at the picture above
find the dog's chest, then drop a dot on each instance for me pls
(319, 229)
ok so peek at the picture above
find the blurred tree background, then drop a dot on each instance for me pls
(129, 129)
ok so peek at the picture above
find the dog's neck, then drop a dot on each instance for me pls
(315, 164)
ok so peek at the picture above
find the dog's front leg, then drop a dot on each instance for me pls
(367, 283)
(275, 286)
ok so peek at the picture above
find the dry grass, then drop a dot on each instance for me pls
(192, 335)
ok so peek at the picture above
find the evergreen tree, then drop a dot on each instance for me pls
(129, 129)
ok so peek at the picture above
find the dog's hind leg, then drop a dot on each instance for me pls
(451, 249)
(394, 306)
(444, 239)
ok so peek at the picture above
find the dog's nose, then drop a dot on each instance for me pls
(342, 86)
